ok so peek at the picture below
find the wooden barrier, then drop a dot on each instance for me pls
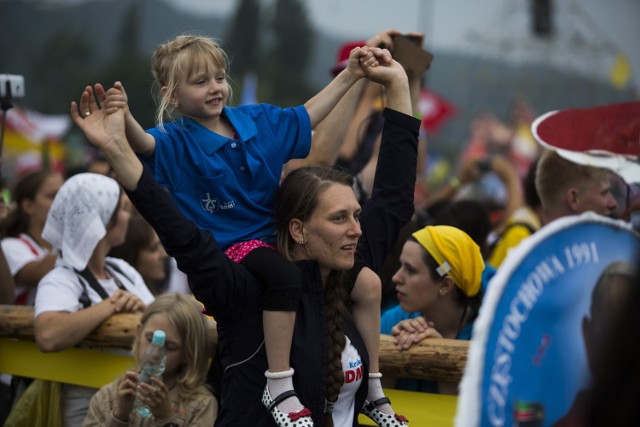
(78, 366)
(435, 359)
(19, 355)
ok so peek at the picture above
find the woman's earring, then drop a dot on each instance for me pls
(302, 241)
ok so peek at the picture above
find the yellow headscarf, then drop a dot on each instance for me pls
(456, 255)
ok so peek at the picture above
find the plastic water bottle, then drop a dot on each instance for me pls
(153, 363)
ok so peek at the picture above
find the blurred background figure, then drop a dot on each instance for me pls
(616, 385)
(7, 295)
(143, 250)
(7, 286)
(607, 309)
(28, 254)
(100, 165)
(520, 224)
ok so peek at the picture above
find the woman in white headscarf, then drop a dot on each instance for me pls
(87, 218)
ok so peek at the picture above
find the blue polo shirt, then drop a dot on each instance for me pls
(228, 186)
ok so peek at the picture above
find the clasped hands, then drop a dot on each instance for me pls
(412, 331)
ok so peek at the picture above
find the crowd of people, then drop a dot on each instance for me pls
(303, 246)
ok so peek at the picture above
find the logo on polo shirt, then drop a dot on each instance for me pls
(212, 205)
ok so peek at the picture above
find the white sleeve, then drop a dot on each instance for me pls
(18, 254)
(59, 290)
(133, 280)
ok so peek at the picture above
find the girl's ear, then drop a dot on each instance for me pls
(27, 206)
(173, 101)
(296, 230)
(446, 286)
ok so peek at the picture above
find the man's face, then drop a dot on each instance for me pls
(595, 196)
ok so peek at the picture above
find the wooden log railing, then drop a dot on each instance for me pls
(434, 359)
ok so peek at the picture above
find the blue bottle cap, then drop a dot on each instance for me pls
(158, 337)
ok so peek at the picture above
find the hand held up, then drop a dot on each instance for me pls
(116, 98)
(107, 133)
(153, 364)
(126, 395)
(384, 69)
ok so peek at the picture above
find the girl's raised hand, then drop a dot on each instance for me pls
(98, 127)
(382, 68)
(359, 58)
(155, 395)
(107, 133)
(126, 395)
(116, 98)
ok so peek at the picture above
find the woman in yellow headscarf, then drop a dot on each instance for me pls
(438, 285)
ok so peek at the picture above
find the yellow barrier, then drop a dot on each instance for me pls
(89, 368)
(94, 368)
(421, 409)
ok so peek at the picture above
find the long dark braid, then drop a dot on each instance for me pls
(297, 198)
(336, 309)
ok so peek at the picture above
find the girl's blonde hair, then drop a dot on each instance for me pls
(175, 61)
(183, 313)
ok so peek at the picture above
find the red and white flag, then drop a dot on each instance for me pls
(435, 110)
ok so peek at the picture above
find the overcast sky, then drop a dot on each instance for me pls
(469, 24)
(605, 26)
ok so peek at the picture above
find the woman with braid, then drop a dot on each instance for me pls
(222, 166)
(319, 226)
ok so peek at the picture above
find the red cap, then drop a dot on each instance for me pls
(612, 129)
(343, 55)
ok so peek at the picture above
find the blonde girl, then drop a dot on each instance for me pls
(180, 398)
(223, 165)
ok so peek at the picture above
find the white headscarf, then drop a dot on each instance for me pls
(77, 218)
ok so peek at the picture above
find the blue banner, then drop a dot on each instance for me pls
(527, 361)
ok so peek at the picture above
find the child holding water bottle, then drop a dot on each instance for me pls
(179, 397)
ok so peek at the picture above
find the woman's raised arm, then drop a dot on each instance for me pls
(391, 204)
